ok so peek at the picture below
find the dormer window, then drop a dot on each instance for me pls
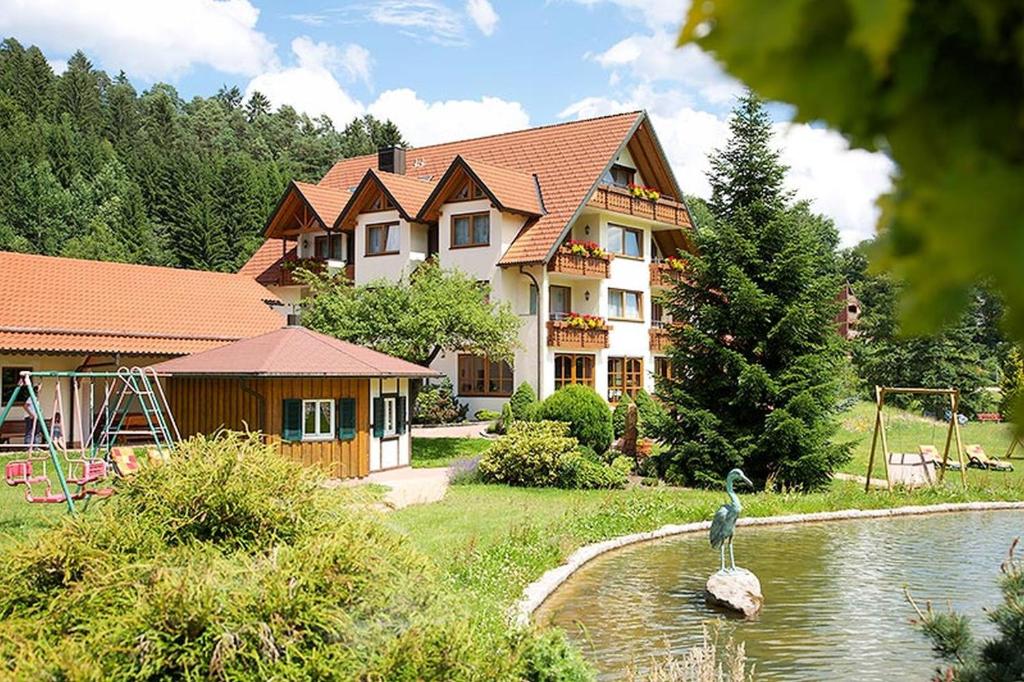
(620, 175)
(381, 203)
(468, 192)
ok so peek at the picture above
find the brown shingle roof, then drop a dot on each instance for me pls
(265, 265)
(568, 159)
(293, 351)
(79, 306)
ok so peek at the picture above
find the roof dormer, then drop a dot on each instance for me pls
(466, 180)
(305, 208)
(381, 191)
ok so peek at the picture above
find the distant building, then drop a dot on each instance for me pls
(849, 314)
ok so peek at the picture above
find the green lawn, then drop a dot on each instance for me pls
(19, 519)
(440, 452)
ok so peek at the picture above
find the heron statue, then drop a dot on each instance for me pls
(724, 524)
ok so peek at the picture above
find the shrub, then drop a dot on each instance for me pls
(623, 464)
(542, 454)
(437, 404)
(588, 416)
(234, 563)
(465, 471)
(504, 419)
(550, 658)
(486, 415)
(523, 401)
(619, 416)
(651, 415)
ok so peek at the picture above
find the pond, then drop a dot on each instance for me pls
(834, 604)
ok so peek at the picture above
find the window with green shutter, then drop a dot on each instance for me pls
(346, 419)
(400, 416)
(291, 419)
(378, 417)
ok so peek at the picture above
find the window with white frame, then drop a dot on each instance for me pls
(317, 419)
(390, 416)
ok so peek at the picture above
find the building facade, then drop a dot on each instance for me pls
(577, 226)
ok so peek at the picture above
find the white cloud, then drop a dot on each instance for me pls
(148, 40)
(416, 19)
(839, 182)
(653, 13)
(59, 66)
(483, 15)
(423, 122)
(311, 86)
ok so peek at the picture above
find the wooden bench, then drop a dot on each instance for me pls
(12, 431)
(990, 417)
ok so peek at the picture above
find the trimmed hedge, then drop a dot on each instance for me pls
(588, 415)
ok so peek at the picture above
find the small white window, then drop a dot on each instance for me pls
(390, 417)
(317, 419)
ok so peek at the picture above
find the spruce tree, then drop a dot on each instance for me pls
(755, 360)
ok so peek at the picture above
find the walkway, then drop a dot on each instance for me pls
(411, 486)
(470, 430)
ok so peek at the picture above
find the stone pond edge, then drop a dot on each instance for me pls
(537, 592)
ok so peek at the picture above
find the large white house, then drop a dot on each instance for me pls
(523, 211)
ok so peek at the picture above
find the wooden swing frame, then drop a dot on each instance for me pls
(951, 433)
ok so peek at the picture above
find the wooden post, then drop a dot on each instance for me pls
(885, 440)
(949, 438)
(959, 440)
(879, 400)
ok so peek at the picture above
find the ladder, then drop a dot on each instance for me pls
(137, 384)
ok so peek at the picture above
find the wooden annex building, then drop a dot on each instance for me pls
(325, 402)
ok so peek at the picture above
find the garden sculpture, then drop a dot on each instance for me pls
(724, 524)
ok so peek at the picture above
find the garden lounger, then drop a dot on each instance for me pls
(977, 458)
(125, 462)
(931, 453)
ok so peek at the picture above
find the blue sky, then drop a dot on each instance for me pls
(446, 69)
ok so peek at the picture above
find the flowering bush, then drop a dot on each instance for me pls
(584, 321)
(645, 192)
(675, 263)
(586, 249)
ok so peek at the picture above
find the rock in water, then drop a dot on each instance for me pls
(739, 590)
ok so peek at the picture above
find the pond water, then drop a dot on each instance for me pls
(834, 606)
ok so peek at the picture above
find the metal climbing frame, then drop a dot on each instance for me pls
(100, 432)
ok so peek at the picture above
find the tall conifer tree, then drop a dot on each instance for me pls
(755, 360)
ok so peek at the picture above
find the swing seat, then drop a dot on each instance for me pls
(92, 471)
(911, 470)
(19, 472)
(125, 461)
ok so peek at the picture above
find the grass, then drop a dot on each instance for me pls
(441, 452)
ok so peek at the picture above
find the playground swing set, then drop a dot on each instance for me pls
(106, 418)
(926, 466)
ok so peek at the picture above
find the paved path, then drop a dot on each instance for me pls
(875, 482)
(471, 430)
(411, 486)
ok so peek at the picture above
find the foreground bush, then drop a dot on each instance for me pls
(232, 563)
(588, 415)
(542, 454)
(524, 403)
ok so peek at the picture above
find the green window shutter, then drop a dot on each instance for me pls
(378, 417)
(291, 420)
(400, 416)
(346, 419)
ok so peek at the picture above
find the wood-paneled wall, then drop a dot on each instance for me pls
(204, 405)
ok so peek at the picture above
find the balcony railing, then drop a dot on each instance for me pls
(663, 274)
(660, 340)
(563, 334)
(314, 265)
(621, 200)
(573, 264)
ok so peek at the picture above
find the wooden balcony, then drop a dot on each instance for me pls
(316, 265)
(621, 200)
(568, 263)
(664, 275)
(660, 340)
(561, 335)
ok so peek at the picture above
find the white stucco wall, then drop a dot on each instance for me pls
(388, 453)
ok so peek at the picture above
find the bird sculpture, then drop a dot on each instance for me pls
(724, 524)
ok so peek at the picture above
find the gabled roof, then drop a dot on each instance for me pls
(292, 351)
(509, 190)
(265, 264)
(567, 158)
(65, 305)
(304, 206)
(406, 193)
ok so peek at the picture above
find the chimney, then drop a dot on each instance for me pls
(391, 160)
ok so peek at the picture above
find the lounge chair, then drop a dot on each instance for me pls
(931, 452)
(977, 458)
(125, 462)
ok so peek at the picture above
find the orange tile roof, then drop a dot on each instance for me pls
(292, 351)
(515, 190)
(326, 201)
(65, 305)
(265, 265)
(409, 193)
(568, 159)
